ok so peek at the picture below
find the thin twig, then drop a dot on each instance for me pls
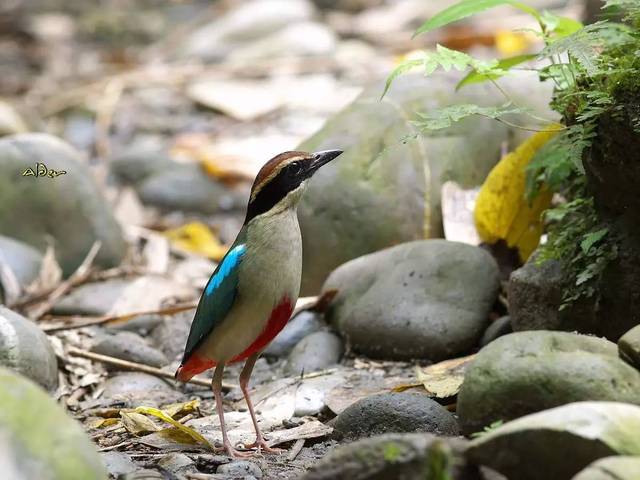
(111, 319)
(81, 273)
(139, 367)
(295, 450)
(126, 443)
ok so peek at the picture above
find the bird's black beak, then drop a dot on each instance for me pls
(321, 158)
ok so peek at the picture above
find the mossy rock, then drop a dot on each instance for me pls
(526, 372)
(393, 457)
(385, 188)
(558, 443)
(37, 438)
(67, 209)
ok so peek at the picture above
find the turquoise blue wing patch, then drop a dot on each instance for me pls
(217, 299)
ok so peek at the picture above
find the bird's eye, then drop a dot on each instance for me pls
(295, 168)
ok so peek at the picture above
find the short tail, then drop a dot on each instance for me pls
(194, 365)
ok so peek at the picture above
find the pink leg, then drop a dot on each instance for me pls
(244, 383)
(216, 386)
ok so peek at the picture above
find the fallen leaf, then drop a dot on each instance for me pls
(197, 238)
(186, 430)
(179, 410)
(149, 293)
(311, 429)
(443, 380)
(137, 424)
(502, 212)
(101, 423)
(242, 100)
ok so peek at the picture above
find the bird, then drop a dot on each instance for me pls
(251, 294)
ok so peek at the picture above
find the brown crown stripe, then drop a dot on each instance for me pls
(272, 167)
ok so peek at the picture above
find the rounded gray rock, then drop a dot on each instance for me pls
(26, 349)
(95, 298)
(134, 165)
(24, 260)
(629, 347)
(132, 347)
(135, 383)
(170, 336)
(177, 464)
(67, 208)
(187, 188)
(498, 328)
(303, 324)
(240, 469)
(526, 372)
(426, 299)
(395, 413)
(315, 352)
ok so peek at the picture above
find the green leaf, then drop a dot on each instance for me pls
(592, 238)
(466, 8)
(399, 70)
(504, 64)
(445, 117)
(560, 26)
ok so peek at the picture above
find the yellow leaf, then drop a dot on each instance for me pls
(177, 435)
(101, 422)
(163, 416)
(197, 238)
(502, 212)
(137, 424)
(178, 410)
(444, 379)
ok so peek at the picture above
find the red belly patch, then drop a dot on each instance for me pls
(277, 320)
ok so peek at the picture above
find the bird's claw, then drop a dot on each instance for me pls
(234, 453)
(261, 445)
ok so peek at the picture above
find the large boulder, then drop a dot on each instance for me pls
(558, 443)
(426, 299)
(68, 208)
(385, 188)
(526, 372)
(25, 349)
(410, 456)
(38, 440)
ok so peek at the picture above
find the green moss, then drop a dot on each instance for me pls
(439, 462)
(392, 452)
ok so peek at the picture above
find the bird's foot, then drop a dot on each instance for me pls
(261, 445)
(234, 453)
